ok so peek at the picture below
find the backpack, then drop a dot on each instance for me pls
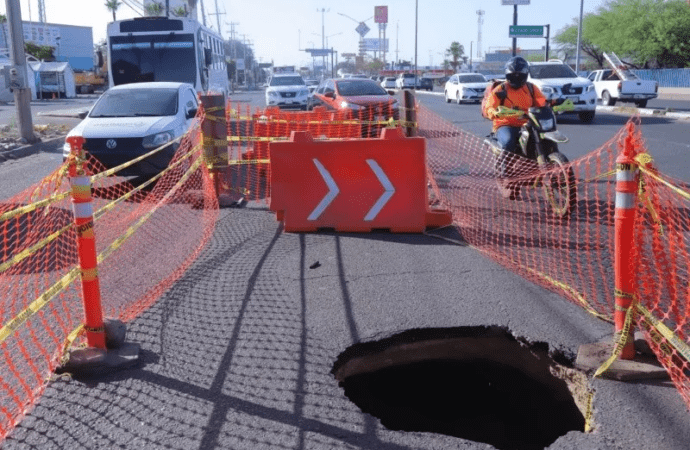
(502, 94)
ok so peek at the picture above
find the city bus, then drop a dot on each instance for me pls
(164, 49)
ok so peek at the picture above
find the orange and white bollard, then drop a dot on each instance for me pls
(86, 245)
(627, 183)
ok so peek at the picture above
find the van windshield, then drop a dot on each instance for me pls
(136, 103)
(287, 81)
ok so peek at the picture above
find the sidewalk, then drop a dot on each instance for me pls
(674, 93)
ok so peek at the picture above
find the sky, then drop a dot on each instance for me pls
(280, 30)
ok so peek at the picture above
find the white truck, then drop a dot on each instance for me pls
(622, 84)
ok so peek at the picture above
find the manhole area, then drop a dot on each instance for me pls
(483, 385)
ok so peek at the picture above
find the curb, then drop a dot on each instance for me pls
(29, 149)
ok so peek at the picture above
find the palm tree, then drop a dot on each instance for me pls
(112, 6)
(456, 51)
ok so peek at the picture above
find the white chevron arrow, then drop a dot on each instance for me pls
(333, 191)
(389, 190)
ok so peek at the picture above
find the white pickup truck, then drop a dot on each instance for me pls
(611, 88)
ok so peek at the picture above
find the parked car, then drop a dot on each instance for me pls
(465, 88)
(610, 88)
(558, 81)
(388, 83)
(287, 90)
(426, 84)
(405, 81)
(130, 120)
(367, 100)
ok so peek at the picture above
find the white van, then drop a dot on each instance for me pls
(130, 120)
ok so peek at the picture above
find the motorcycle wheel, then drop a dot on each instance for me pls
(559, 185)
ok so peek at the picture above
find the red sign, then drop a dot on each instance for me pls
(381, 14)
(352, 185)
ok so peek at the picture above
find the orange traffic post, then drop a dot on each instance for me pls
(627, 184)
(86, 245)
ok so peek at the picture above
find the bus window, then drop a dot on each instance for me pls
(153, 58)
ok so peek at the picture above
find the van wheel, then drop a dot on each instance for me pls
(446, 95)
(606, 99)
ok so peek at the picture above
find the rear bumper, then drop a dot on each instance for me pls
(633, 97)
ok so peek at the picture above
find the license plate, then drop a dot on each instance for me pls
(575, 99)
(639, 96)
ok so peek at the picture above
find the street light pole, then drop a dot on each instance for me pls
(579, 35)
(416, 10)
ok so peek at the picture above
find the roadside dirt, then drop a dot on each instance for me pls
(10, 137)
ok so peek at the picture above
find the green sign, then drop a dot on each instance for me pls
(525, 31)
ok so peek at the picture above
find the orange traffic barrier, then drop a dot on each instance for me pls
(353, 185)
(627, 184)
(86, 245)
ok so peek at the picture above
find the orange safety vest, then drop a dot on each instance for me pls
(520, 98)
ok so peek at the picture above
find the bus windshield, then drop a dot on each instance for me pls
(153, 58)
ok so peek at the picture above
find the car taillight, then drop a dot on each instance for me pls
(656, 87)
(620, 86)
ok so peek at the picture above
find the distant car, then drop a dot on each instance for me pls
(388, 83)
(287, 90)
(366, 98)
(465, 88)
(426, 83)
(405, 81)
(130, 120)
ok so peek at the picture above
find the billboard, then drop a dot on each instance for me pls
(373, 44)
(381, 14)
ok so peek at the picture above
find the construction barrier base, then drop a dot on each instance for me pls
(92, 361)
(644, 366)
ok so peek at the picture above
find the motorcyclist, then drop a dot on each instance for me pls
(515, 93)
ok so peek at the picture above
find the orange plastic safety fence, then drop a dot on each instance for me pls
(146, 237)
(573, 255)
(250, 132)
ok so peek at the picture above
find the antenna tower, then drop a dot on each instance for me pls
(480, 22)
(41, 11)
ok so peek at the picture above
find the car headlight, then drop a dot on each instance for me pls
(158, 139)
(590, 88)
(66, 149)
(352, 106)
(548, 90)
(272, 93)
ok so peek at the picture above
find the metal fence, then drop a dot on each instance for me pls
(675, 78)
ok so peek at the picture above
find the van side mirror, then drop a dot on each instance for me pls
(208, 57)
(191, 112)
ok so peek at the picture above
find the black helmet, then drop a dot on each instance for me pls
(517, 69)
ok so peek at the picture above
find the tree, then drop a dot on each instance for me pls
(456, 51)
(41, 52)
(113, 6)
(646, 33)
(154, 9)
(566, 39)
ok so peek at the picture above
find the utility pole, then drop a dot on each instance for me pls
(217, 14)
(18, 77)
(515, 19)
(323, 33)
(233, 50)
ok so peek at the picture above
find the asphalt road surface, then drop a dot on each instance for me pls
(239, 352)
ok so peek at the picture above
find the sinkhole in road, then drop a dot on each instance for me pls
(476, 383)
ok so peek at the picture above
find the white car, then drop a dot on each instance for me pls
(287, 90)
(465, 88)
(130, 120)
(388, 83)
(405, 81)
(557, 80)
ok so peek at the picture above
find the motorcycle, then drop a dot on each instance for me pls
(538, 143)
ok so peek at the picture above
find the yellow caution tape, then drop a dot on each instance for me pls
(623, 338)
(34, 206)
(588, 413)
(665, 332)
(16, 259)
(10, 327)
